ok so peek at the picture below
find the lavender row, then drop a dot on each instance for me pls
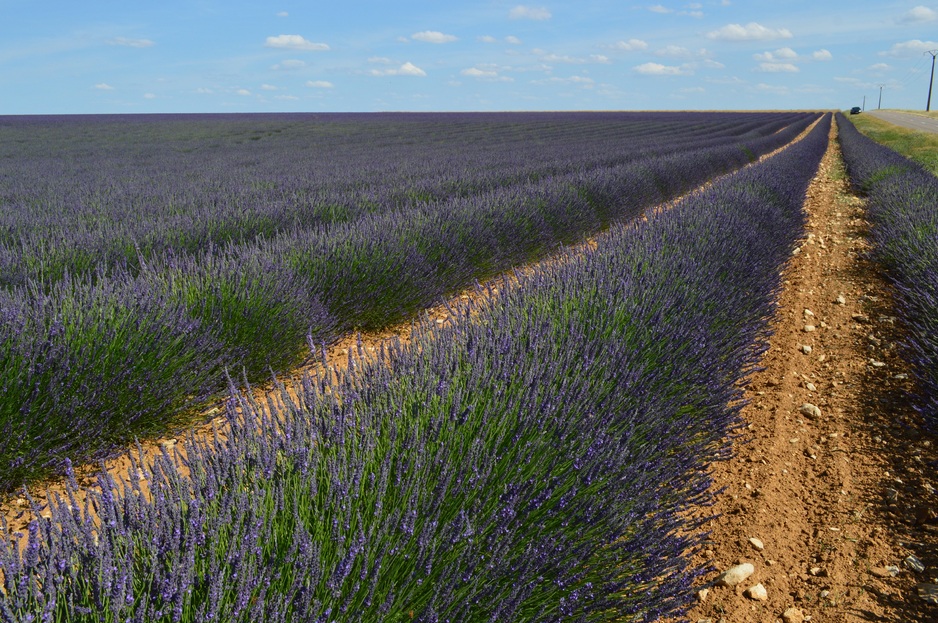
(529, 463)
(87, 193)
(902, 196)
(90, 363)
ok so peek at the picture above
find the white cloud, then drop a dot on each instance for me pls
(575, 60)
(657, 69)
(103, 86)
(487, 39)
(782, 54)
(407, 69)
(631, 45)
(282, 14)
(288, 98)
(879, 67)
(432, 36)
(485, 74)
(294, 42)
(512, 40)
(132, 43)
(319, 84)
(475, 72)
(243, 92)
(673, 51)
(774, 68)
(579, 80)
(527, 12)
(693, 12)
(291, 64)
(822, 55)
(149, 96)
(691, 90)
(268, 87)
(379, 59)
(203, 90)
(914, 47)
(772, 88)
(750, 32)
(709, 64)
(919, 14)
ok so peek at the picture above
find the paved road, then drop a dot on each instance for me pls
(906, 120)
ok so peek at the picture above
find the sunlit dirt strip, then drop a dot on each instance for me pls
(827, 492)
(330, 359)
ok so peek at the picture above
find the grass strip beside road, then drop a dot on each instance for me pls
(921, 147)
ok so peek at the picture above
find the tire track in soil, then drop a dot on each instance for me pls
(834, 498)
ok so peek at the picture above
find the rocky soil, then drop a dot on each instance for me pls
(828, 510)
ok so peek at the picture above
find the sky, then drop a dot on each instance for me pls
(131, 56)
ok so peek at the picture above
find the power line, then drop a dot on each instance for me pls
(911, 73)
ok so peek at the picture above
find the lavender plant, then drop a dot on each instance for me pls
(528, 463)
(901, 201)
(252, 305)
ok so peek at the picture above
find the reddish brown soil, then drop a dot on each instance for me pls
(836, 498)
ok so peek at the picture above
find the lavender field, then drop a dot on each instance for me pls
(529, 463)
(143, 257)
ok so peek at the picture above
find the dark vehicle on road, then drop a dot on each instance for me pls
(855, 110)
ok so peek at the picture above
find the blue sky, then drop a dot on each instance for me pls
(234, 55)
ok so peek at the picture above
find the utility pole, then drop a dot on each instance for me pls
(933, 54)
(864, 103)
(880, 105)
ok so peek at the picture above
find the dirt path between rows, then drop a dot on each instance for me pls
(832, 485)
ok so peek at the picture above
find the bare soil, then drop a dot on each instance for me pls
(835, 499)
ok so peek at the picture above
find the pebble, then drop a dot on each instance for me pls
(757, 543)
(928, 592)
(806, 349)
(793, 615)
(735, 575)
(860, 318)
(808, 312)
(808, 328)
(876, 364)
(815, 571)
(914, 564)
(810, 386)
(757, 593)
(810, 411)
(885, 572)
(840, 300)
(702, 594)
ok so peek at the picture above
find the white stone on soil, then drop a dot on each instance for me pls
(793, 615)
(810, 411)
(735, 575)
(757, 593)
